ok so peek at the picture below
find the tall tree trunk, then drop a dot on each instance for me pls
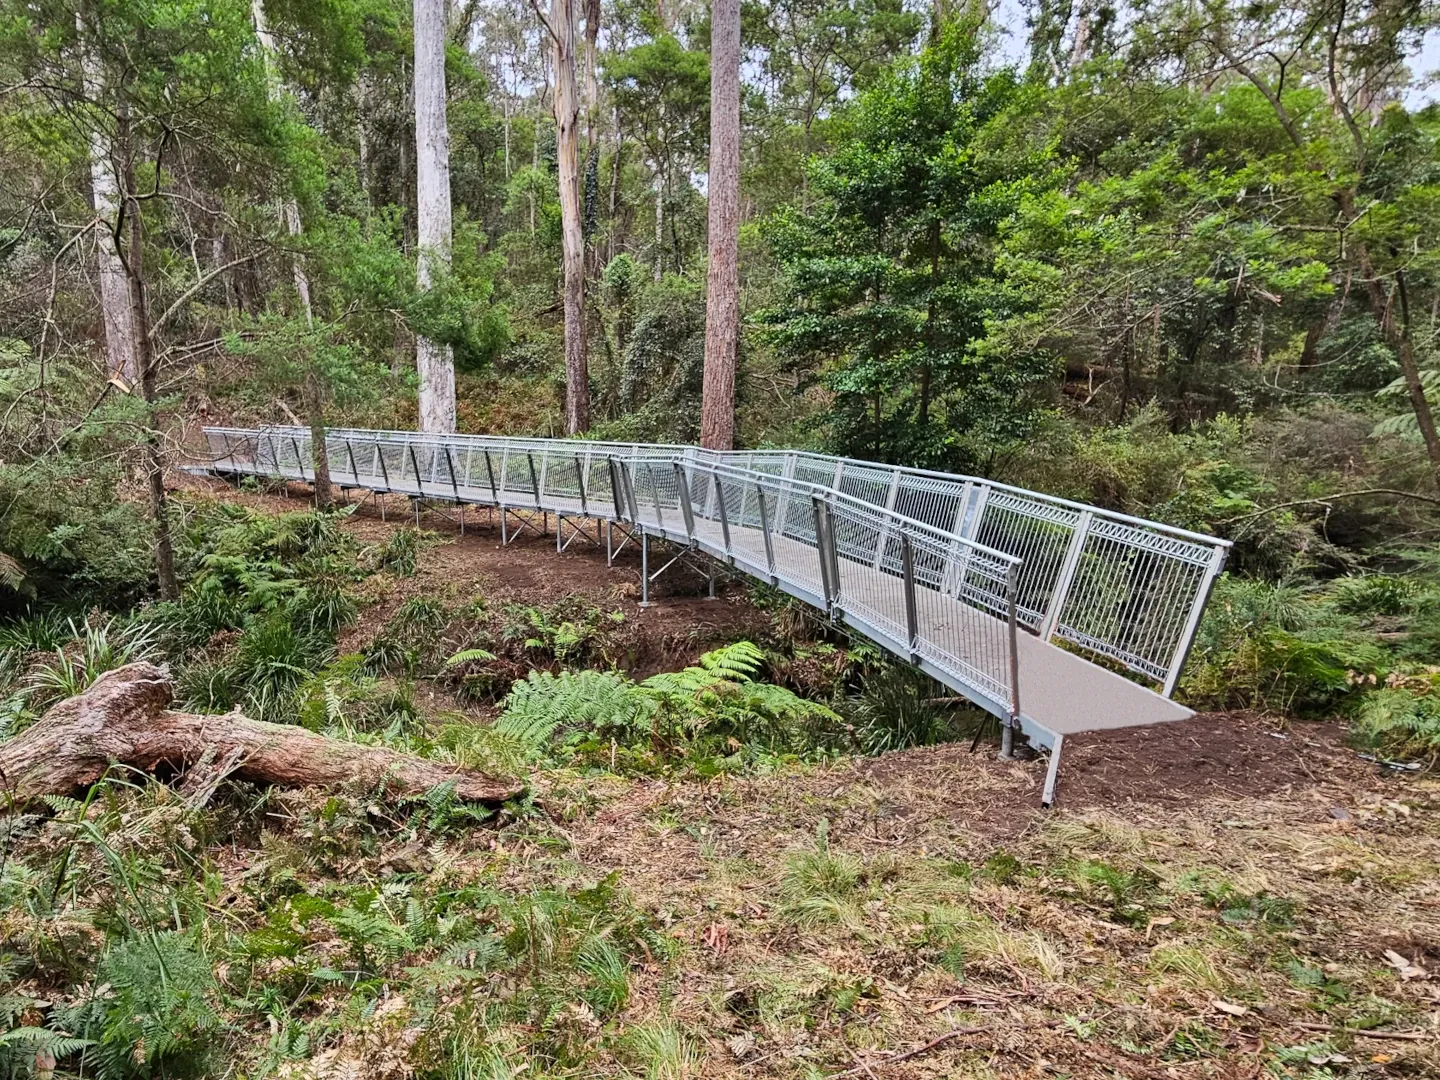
(114, 287)
(1397, 337)
(315, 417)
(290, 218)
(567, 138)
(659, 226)
(722, 287)
(363, 96)
(145, 360)
(432, 205)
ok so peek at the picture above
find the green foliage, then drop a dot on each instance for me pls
(94, 650)
(893, 273)
(580, 703)
(1274, 647)
(159, 1012)
(709, 714)
(896, 709)
(1401, 722)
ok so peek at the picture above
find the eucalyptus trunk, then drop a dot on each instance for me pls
(567, 139)
(105, 190)
(722, 291)
(433, 360)
(132, 259)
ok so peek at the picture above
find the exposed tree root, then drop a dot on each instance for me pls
(123, 718)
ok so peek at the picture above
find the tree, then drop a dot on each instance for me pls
(200, 101)
(1326, 71)
(290, 220)
(662, 91)
(105, 195)
(433, 361)
(561, 27)
(894, 273)
(722, 296)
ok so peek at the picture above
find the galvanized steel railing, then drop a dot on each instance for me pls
(1120, 587)
(1123, 587)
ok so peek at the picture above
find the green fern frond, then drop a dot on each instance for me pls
(739, 662)
(470, 656)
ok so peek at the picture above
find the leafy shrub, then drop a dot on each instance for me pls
(95, 649)
(400, 554)
(1274, 646)
(895, 709)
(1399, 722)
(409, 642)
(709, 711)
(158, 1016)
(1372, 594)
(599, 703)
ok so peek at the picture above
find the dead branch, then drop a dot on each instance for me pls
(124, 718)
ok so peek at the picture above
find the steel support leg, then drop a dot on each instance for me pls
(1048, 796)
(644, 569)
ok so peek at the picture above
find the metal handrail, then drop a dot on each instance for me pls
(1119, 586)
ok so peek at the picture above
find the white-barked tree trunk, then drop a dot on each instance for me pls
(105, 190)
(433, 361)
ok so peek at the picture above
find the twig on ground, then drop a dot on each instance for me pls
(1362, 1033)
(925, 1048)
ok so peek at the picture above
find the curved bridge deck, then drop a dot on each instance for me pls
(981, 619)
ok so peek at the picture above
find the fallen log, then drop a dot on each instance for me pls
(124, 718)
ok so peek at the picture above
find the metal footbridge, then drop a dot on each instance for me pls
(1050, 614)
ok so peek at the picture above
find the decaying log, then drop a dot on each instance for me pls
(124, 719)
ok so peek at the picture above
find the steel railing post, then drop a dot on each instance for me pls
(415, 464)
(534, 478)
(1061, 592)
(490, 475)
(354, 466)
(884, 539)
(724, 515)
(299, 461)
(912, 616)
(419, 486)
(384, 469)
(450, 464)
(787, 473)
(765, 532)
(580, 483)
(950, 583)
(818, 508)
(687, 511)
(655, 494)
(1007, 735)
(617, 494)
(1192, 620)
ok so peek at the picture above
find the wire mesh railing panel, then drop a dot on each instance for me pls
(1131, 601)
(1037, 534)
(934, 502)
(858, 535)
(868, 483)
(971, 638)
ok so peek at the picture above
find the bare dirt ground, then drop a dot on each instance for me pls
(1229, 896)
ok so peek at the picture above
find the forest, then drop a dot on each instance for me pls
(396, 800)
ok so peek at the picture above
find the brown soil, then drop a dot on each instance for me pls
(681, 623)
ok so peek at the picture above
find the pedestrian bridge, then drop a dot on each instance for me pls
(1057, 617)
